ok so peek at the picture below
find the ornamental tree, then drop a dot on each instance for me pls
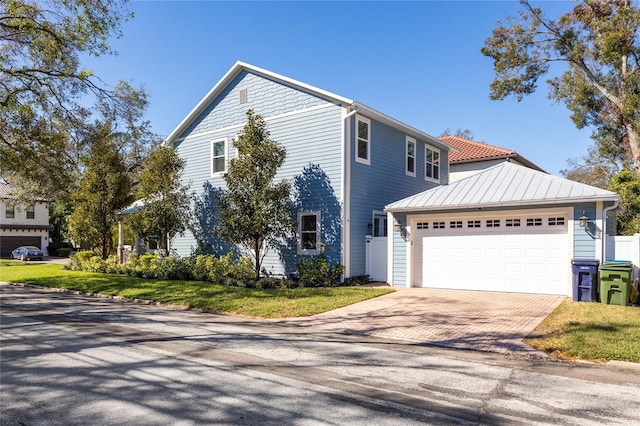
(254, 212)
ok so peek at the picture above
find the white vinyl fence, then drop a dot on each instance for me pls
(628, 248)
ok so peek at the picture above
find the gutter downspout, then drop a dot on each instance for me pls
(605, 213)
(346, 191)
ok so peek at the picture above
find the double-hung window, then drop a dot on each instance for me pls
(10, 212)
(218, 157)
(432, 164)
(31, 212)
(411, 157)
(363, 140)
(309, 232)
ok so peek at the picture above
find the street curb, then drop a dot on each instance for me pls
(624, 365)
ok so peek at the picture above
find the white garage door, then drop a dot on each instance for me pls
(518, 252)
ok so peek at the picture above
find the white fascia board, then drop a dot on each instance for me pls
(411, 131)
(230, 75)
(501, 205)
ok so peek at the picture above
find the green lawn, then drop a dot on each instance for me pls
(270, 303)
(590, 331)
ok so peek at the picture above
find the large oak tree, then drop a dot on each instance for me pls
(48, 100)
(600, 45)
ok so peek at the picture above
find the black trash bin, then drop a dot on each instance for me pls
(585, 279)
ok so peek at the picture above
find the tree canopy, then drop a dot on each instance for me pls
(165, 209)
(599, 43)
(48, 100)
(105, 189)
(253, 211)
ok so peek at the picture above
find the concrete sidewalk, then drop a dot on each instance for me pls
(483, 321)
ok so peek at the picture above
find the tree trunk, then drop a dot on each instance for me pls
(634, 145)
(256, 250)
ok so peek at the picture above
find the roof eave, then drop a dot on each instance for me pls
(412, 131)
(568, 200)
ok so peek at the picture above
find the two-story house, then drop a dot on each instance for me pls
(22, 224)
(345, 160)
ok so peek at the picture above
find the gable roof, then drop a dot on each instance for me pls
(472, 151)
(503, 185)
(239, 66)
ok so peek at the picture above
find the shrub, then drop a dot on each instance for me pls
(316, 271)
(357, 280)
(64, 251)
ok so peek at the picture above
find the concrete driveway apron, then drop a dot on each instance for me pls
(484, 321)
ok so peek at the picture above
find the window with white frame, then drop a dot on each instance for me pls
(379, 225)
(31, 212)
(411, 157)
(432, 164)
(309, 232)
(10, 212)
(218, 157)
(363, 140)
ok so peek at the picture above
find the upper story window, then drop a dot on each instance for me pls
(411, 157)
(432, 164)
(218, 157)
(363, 141)
(10, 212)
(31, 212)
(309, 232)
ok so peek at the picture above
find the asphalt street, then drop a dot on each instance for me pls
(70, 359)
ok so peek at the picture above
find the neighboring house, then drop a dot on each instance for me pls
(22, 224)
(472, 157)
(345, 161)
(507, 228)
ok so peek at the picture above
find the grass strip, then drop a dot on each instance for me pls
(590, 331)
(257, 303)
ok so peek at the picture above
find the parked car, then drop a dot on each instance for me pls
(27, 253)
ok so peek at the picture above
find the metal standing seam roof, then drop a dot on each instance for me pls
(505, 184)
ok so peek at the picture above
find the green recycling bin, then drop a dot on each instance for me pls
(615, 282)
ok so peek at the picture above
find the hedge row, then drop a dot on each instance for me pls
(223, 270)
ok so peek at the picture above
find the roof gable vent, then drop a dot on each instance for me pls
(243, 96)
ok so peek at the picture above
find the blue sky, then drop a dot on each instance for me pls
(418, 62)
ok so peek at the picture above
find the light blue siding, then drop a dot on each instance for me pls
(400, 261)
(584, 240)
(265, 96)
(382, 182)
(311, 136)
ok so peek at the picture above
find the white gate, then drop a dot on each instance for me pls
(376, 258)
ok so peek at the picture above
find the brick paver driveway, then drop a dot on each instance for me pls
(485, 321)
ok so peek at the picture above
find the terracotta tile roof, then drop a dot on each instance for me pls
(8, 191)
(472, 151)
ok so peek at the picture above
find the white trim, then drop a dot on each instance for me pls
(409, 248)
(434, 150)
(356, 140)
(600, 239)
(318, 232)
(226, 156)
(346, 223)
(408, 140)
(241, 125)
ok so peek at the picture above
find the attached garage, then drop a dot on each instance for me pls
(10, 242)
(506, 229)
(508, 251)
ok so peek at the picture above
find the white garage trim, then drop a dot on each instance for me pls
(472, 238)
